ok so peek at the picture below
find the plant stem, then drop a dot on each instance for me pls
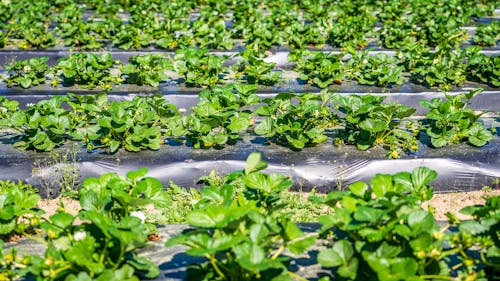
(296, 276)
(35, 238)
(278, 252)
(440, 277)
(213, 262)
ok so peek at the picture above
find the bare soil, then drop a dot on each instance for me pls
(51, 206)
(453, 202)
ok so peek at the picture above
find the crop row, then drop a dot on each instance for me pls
(240, 228)
(92, 24)
(197, 67)
(224, 113)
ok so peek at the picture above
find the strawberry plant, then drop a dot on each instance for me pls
(133, 125)
(17, 208)
(369, 123)
(256, 70)
(450, 121)
(10, 263)
(108, 28)
(99, 248)
(7, 108)
(198, 68)
(396, 34)
(113, 227)
(302, 35)
(27, 73)
(212, 33)
(442, 68)
(318, 68)
(482, 68)
(43, 126)
(239, 230)
(79, 34)
(441, 30)
(296, 124)
(479, 233)
(383, 232)
(119, 197)
(86, 69)
(261, 32)
(146, 70)
(36, 36)
(218, 118)
(487, 34)
(379, 69)
(350, 30)
(130, 37)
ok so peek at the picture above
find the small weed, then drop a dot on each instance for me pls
(58, 174)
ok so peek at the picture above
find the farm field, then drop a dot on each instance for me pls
(249, 140)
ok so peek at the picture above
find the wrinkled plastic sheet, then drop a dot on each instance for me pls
(324, 167)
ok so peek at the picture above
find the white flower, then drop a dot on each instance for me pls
(182, 110)
(79, 235)
(139, 215)
(30, 104)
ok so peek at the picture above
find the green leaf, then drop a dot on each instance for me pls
(91, 199)
(147, 268)
(472, 227)
(373, 125)
(358, 188)
(265, 128)
(258, 232)
(368, 214)
(137, 174)
(114, 145)
(340, 254)
(62, 220)
(19, 119)
(7, 226)
(299, 245)
(254, 163)
(381, 184)
(479, 135)
(421, 221)
(439, 142)
(421, 176)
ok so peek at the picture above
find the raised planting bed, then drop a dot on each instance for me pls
(139, 121)
(232, 220)
(311, 129)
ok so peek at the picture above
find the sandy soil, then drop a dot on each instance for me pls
(453, 202)
(50, 206)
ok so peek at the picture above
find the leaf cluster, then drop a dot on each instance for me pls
(260, 26)
(27, 73)
(296, 124)
(218, 118)
(369, 123)
(383, 232)
(198, 68)
(18, 203)
(238, 229)
(103, 246)
(86, 69)
(146, 70)
(450, 121)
